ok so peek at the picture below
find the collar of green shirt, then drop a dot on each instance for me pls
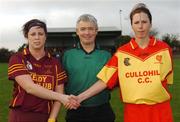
(79, 46)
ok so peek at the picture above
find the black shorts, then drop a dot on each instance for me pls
(102, 113)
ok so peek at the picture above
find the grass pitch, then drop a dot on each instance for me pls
(6, 90)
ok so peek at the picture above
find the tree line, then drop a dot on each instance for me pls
(170, 39)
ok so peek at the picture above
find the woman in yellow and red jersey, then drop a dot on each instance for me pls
(143, 68)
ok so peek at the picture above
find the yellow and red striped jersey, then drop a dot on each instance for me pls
(142, 73)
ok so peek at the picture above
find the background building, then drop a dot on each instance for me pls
(60, 39)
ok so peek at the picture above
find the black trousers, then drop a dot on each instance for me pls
(102, 113)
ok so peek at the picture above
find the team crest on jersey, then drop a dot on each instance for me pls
(29, 65)
(126, 61)
(159, 59)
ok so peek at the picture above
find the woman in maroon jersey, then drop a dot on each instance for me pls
(38, 79)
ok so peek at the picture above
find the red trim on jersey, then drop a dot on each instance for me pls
(113, 81)
(153, 47)
(145, 58)
(134, 44)
(112, 62)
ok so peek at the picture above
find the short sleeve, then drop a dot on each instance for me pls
(16, 67)
(61, 74)
(108, 73)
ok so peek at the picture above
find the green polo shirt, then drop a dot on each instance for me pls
(82, 68)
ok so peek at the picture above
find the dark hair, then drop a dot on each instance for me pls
(34, 22)
(140, 7)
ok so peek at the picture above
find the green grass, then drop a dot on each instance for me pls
(6, 89)
(175, 91)
(5, 92)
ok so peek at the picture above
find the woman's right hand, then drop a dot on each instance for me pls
(70, 101)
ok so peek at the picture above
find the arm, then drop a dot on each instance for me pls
(31, 88)
(56, 106)
(93, 90)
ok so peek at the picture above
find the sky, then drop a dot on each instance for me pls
(64, 13)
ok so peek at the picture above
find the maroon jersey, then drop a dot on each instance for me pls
(46, 72)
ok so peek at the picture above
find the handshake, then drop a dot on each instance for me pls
(71, 101)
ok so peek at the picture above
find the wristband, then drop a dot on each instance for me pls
(51, 120)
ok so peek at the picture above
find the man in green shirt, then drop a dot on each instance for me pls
(82, 65)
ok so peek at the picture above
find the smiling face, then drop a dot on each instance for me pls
(87, 32)
(141, 25)
(36, 38)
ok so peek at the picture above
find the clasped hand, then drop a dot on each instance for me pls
(71, 101)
